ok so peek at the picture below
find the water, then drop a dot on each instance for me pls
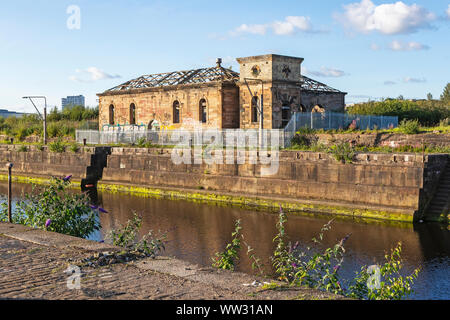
(197, 231)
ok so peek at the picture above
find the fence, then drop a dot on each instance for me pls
(240, 137)
(333, 120)
(326, 121)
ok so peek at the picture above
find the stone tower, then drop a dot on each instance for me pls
(277, 78)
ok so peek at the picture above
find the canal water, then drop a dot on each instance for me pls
(195, 231)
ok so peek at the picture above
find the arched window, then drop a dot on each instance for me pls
(318, 108)
(254, 109)
(176, 112)
(111, 114)
(202, 111)
(285, 115)
(132, 114)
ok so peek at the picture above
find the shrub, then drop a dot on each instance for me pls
(53, 130)
(57, 146)
(54, 208)
(227, 259)
(343, 152)
(320, 270)
(428, 113)
(126, 237)
(74, 147)
(23, 148)
(409, 126)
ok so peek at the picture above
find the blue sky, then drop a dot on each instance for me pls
(368, 48)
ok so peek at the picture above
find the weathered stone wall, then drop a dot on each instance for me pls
(230, 107)
(157, 104)
(44, 163)
(383, 181)
(387, 139)
(270, 67)
(401, 184)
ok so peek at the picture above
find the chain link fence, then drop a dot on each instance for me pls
(334, 120)
(310, 120)
(238, 137)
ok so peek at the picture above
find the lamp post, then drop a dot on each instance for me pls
(44, 118)
(9, 166)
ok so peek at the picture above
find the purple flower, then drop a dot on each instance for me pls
(336, 268)
(48, 222)
(67, 178)
(93, 207)
(294, 265)
(102, 210)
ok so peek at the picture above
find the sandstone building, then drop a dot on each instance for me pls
(218, 97)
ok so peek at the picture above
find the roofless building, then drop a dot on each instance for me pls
(218, 97)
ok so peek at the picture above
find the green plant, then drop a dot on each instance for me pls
(409, 126)
(256, 262)
(227, 259)
(54, 208)
(343, 152)
(40, 147)
(320, 270)
(386, 281)
(126, 237)
(23, 148)
(57, 146)
(427, 112)
(74, 147)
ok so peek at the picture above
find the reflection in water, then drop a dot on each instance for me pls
(197, 231)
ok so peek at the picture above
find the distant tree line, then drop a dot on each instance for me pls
(75, 113)
(59, 123)
(428, 112)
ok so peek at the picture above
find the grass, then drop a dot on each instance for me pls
(440, 129)
(379, 149)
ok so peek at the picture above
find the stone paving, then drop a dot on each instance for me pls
(37, 268)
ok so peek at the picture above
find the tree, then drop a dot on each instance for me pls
(400, 97)
(445, 97)
(429, 96)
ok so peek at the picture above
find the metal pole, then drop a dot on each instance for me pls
(261, 121)
(45, 123)
(9, 165)
(45, 113)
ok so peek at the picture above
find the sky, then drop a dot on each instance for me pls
(371, 49)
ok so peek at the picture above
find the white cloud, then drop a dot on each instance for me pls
(448, 12)
(92, 74)
(290, 25)
(252, 29)
(414, 80)
(390, 18)
(408, 46)
(325, 72)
